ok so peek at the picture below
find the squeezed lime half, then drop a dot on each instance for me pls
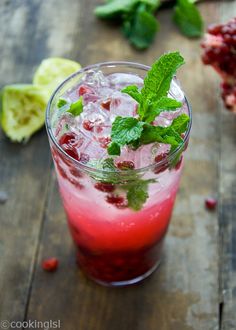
(53, 71)
(23, 110)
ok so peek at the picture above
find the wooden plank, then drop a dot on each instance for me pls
(20, 168)
(227, 200)
(183, 294)
(24, 168)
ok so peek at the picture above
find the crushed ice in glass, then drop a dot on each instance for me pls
(102, 102)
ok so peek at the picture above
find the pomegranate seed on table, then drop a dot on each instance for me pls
(70, 151)
(125, 165)
(105, 187)
(210, 203)
(50, 265)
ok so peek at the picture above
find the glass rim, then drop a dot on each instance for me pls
(90, 169)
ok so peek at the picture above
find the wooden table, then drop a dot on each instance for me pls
(195, 288)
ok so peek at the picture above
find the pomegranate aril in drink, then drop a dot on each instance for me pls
(125, 165)
(106, 104)
(116, 200)
(159, 158)
(104, 141)
(88, 125)
(178, 165)
(105, 187)
(83, 89)
(69, 138)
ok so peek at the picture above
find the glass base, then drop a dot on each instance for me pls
(128, 282)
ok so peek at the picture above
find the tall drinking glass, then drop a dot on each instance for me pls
(116, 244)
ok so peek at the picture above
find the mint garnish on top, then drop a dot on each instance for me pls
(75, 108)
(152, 100)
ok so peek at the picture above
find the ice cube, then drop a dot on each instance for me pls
(122, 105)
(95, 78)
(93, 149)
(121, 80)
(176, 91)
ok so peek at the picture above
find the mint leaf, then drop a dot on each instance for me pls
(188, 18)
(158, 79)
(117, 8)
(137, 196)
(180, 123)
(126, 129)
(160, 134)
(113, 149)
(61, 103)
(140, 28)
(114, 8)
(133, 91)
(137, 193)
(76, 108)
(163, 104)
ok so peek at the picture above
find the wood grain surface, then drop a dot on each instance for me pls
(195, 287)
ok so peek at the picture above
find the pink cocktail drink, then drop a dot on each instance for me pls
(118, 208)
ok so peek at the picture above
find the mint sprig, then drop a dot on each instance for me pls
(137, 193)
(139, 24)
(124, 131)
(152, 99)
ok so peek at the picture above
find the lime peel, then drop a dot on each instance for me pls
(23, 110)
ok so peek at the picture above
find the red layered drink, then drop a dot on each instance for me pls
(118, 166)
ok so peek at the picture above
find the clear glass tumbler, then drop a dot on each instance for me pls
(115, 245)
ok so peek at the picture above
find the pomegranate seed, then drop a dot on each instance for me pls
(210, 203)
(84, 90)
(105, 187)
(88, 125)
(106, 104)
(214, 29)
(125, 165)
(117, 201)
(104, 141)
(161, 168)
(50, 265)
(178, 165)
(70, 151)
(68, 138)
